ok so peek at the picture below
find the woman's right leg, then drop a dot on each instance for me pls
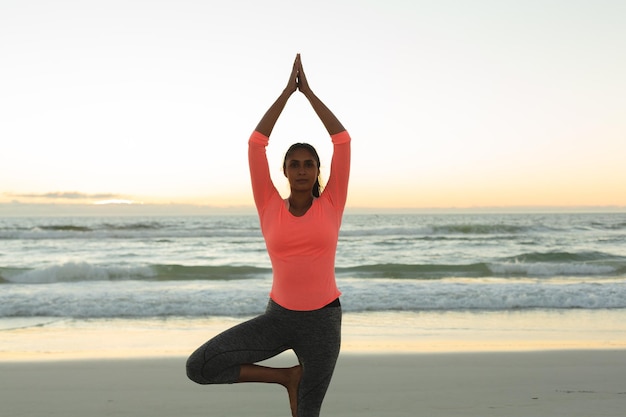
(220, 360)
(231, 356)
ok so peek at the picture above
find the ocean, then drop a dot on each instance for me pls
(94, 267)
(155, 268)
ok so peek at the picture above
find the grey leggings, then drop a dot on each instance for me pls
(314, 336)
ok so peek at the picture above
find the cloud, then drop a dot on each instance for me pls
(113, 201)
(67, 195)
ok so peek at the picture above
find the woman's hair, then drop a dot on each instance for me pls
(317, 188)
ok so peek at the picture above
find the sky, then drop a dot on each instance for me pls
(485, 103)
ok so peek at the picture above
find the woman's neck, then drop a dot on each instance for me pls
(299, 204)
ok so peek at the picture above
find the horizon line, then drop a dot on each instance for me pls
(16, 208)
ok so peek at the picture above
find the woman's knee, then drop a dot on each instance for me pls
(216, 370)
(195, 368)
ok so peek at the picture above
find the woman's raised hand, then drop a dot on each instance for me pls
(292, 85)
(303, 84)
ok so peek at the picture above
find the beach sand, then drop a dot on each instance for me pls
(542, 383)
(543, 364)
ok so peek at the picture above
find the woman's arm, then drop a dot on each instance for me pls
(262, 187)
(337, 186)
(332, 124)
(266, 125)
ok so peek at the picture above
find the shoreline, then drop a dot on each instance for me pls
(50, 339)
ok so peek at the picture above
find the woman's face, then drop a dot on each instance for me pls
(301, 170)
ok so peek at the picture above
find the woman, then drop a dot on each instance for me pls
(301, 232)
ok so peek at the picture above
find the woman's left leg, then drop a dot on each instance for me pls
(317, 348)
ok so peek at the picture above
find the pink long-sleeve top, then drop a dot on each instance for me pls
(301, 249)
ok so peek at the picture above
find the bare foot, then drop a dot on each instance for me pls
(295, 375)
(287, 377)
